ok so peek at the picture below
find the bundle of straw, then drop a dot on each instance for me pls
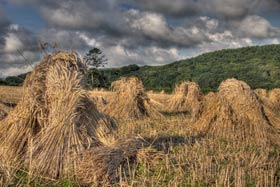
(55, 120)
(187, 97)
(130, 101)
(236, 113)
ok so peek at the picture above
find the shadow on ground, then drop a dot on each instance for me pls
(163, 143)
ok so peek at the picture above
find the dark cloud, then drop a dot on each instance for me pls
(177, 8)
(68, 40)
(72, 14)
(254, 26)
(4, 23)
(15, 42)
(3, 18)
(155, 29)
(138, 31)
(226, 9)
(18, 42)
(229, 9)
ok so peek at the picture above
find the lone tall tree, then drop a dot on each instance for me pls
(95, 58)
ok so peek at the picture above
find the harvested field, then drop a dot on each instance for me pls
(261, 92)
(100, 97)
(3, 114)
(143, 93)
(130, 101)
(236, 113)
(187, 97)
(55, 121)
(274, 97)
(159, 100)
(10, 95)
(54, 142)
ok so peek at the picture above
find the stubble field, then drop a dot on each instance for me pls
(55, 132)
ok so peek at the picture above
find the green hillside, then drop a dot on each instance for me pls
(259, 66)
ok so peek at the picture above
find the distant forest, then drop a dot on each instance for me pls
(259, 66)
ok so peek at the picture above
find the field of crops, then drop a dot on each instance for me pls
(55, 132)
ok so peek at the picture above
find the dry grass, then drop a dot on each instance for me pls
(261, 92)
(159, 100)
(130, 101)
(73, 123)
(270, 103)
(199, 160)
(187, 97)
(10, 94)
(236, 113)
(101, 165)
(274, 97)
(4, 110)
(3, 114)
(234, 142)
(54, 121)
(100, 97)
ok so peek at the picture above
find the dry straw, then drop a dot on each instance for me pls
(99, 101)
(274, 97)
(187, 97)
(101, 165)
(130, 101)
(261, 92)
(55, 120)
(3, 114)
(105, 165)
(236, 113)
(270, 101)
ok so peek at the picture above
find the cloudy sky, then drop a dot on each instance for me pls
(152, 32)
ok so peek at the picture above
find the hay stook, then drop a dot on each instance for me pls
(274, 98)
(261, 92)
(55, 120)
(187, 97)
(270, 101)
(104, 165)
(101, 165)
(130, 101)
(235, 113)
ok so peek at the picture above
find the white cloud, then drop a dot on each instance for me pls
(219, 37)
(152, 32)
(25, 58)
(275, 41)
(118, 56)
(63, 17)
(155, 27)
(12, 43)
(13, 71)
(90, 41)
(162, 56)
(224, 40)
(151, 24)
(211, 24)
(256, 26)
(66, 40)
(14, 27)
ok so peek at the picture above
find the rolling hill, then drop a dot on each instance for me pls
(259, 66)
